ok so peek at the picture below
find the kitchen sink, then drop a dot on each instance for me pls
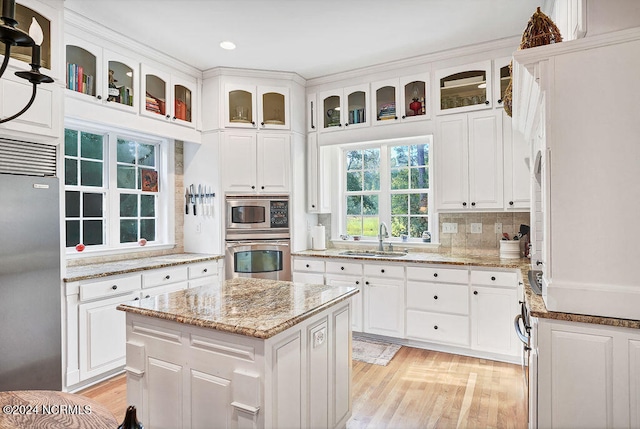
(373, 253)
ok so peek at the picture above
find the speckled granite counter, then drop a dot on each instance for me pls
(482, 258)
(93, 271)
(251, 307)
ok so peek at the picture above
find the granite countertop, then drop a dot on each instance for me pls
(488, 259)
(93, 271)
(246, 306)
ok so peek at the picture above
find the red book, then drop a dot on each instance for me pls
(80, 73)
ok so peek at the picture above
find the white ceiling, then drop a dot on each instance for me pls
(310, 37)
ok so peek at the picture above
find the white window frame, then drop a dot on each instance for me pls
(165, 208)
(384, 200)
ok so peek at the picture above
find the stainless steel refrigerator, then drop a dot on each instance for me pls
(30, 291)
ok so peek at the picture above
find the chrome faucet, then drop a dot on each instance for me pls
(382, 236)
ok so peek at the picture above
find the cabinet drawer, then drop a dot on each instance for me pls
(164, 276)
(159, 290)
(437, 327)
(347, 268)
(431, 274)
(203, 269)
(310, 265)
(112, 286)
(438, 297)
(494, 278)
(389, 271)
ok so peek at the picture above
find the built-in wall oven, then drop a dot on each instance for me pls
(257, 237)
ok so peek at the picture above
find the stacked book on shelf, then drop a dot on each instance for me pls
(356, 116)
(387, 111)
(154, 104)
(181, 110)
(126, 95)
(78, 80)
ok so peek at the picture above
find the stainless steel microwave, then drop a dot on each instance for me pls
(260, 212)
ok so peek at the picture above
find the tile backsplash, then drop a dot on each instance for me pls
(488, 238)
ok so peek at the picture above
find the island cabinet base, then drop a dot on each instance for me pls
(185, 376)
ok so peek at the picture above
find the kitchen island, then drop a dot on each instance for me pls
(249, 353)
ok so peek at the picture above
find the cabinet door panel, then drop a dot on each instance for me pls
(452, 151)
(485, 160)
(384, 307)
(239, 166)
(210, 401)
(493, 310)
(164, 394)
(356, 300)
(273, 160)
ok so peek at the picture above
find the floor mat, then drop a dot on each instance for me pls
(373, 351)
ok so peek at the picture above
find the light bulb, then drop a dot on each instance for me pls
(35, 31)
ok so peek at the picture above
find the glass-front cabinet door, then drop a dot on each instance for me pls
(355, 99)
(465, 88)
(183, 94)
(331, 116)
(273, 107)
(84, 68)
(385, 99)
(502, 79)
(415, 96)
(155, 90)
(120, 80)
(240, 106)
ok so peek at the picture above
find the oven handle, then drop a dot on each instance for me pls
(256, 243)
(516, 324)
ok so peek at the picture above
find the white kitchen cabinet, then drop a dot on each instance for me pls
(517, 161)
(256, 107)
(357, 301)
(464, 88)
(255, 162)
(318, 176)
(384, 300)
(167, 96)
(308, 270)
(344, 108)
(404, 99)
(494, 302)
(588, 375)
(385, 102)
(502, 77)
(470, 146)
(208, 273)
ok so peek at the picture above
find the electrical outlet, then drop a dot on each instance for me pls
(476, 228)
(498, 228)
(450, 228)
(319, 337)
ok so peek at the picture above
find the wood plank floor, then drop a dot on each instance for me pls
(418, 389)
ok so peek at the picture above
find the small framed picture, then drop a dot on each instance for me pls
(149, 180)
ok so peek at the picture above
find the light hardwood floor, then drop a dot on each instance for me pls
(418, 389)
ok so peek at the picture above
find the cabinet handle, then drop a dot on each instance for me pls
(357, 282)
(510, 203)
(403, 116)
(253, 123)
(435, 327)
(395, 118)
(435, 297)
(346, 125)
(168, 116)
(493, 278)
(262, 123)
(99, 97)
(475, 292)
(382, 270)
(342, 268)
(366, 283)
(435, 274)
(261, 187)
(313, 127)
(487, 102)
(253, 187)
(340, 125)
(137, 298)
(148, 296)
(205, 270)
(464, 204)
(307, 265)
(167, 277)
(114, 287)
(473, 204)
(538, 262)
(174, 118)
(500, 101)
(313, 206)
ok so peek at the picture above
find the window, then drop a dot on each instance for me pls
(390, 183)
(113, 198)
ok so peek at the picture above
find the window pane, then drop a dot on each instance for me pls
(128, 231)
(419, 154)
(91, 173)
(354, 205)
(72, 232)
(146, 155)
(72, 203)
(354, 225)
(371, 159)
(371, 181)
(370, 226)
(126, 151)
(147, 206)
(418, 225)
(354, 160)
(70, 142)
(126, 177)
(128, 205)
(420, 178)
(91, 205)
(70, 171)
(91, 146)
(354, 181)
(92, 232)
(399, 204)
(370, 204)
(399, 156)
(399, 225)
(148, 229)
(400, 178)
(419, 204)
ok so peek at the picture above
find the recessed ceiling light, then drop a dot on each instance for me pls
(227, 45)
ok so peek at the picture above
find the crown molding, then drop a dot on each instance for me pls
(254, 73)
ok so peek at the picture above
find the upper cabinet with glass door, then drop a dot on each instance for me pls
(502, 74)
(107, 77)
(257, 107)
(344, 108)
(464, 88)
(167, 97)
(401, 100)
